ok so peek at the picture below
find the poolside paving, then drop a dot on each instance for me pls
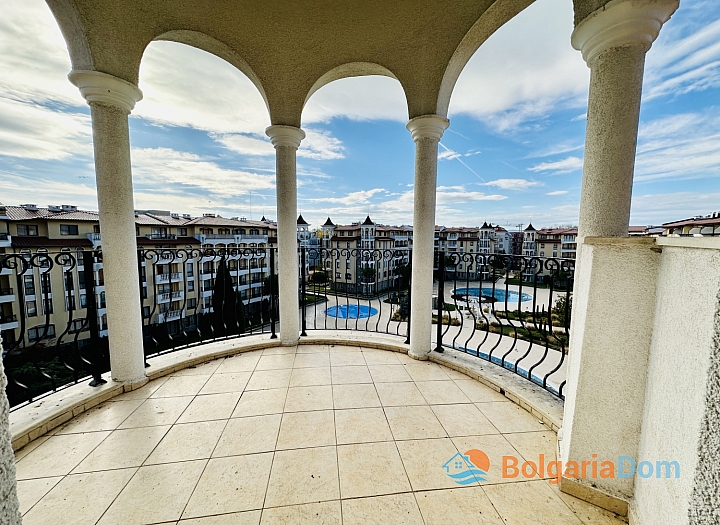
(295, 435)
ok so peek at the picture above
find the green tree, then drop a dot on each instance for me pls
(563, 309)
(319, 277)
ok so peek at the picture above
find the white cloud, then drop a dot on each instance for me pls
(355, 197)
(15, 190)
(511, 80)
(163, 167)
(513, 184)
(358, 98)
(459, 195)
(658, 208)
(320, 145)
(558, 192)
(561, 166)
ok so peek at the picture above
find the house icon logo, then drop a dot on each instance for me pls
(467, 468)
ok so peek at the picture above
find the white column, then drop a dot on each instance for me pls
(615, 278)
(426, 132)
(111, 100)
(286, 140)
(9, 507)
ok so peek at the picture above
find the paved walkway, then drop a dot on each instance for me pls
(298, 435)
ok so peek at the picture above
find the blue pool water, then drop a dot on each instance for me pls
(512, 296)
(351, 311)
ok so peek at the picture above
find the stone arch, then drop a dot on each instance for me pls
(73, 30)
(352, 69)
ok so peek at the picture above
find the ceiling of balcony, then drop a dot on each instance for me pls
(290, 49)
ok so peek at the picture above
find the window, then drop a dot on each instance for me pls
(39, 332)
(45, 283)
(69, 286)
(182, 232)
(29, 282)
(83, 301)
(348, 276)
(70, 302)
(68, 229)
(96, 228)
(158, 232)
(77, 326)
(102, 300)
(192, 303)
(24, 230)
(224, 231)
(146, 312)
(206, 231)
(31, 308)
(191, 286)
(137, 231)
(48, 305)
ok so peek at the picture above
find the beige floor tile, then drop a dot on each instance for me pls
(306, 429)
(80, 498)
(209, 407)
(355, 396)
(35, 443)
(275, 362)
(305, 475)
(508, 417)
(30, 491)
(540, 506)
(231, 484)
(199, 370)
(251, 517)
(267, 379)
(479, 393)
(222, 383)
(495, 446)
(454, 506)
(399, 394)
(426, 371)
(304, 398)
(261, 402)
(361, 425)
(441, 392)
(249, 435)
(588, 514)
(380, 357)
(371, 469)
(532, 444)
(424, 460)
(143, 392)
(312, 349)
(280, 350)
(310, 376)
(314, 360)
(414, 422)
(325, 513)
(58, 455)
(157, 411)
(155, 494)
(463, 420)
(106, 416)
(123, 449)
(181, 386)
(347, 375)
(397, 509)
(188, 441)
(346, 357)
(344, 348)
(244, 362)
(389, 373)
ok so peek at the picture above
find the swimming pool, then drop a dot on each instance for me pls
(512, 296)
(351, 311)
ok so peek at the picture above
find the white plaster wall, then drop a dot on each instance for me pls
(687, 290)
(610, 343)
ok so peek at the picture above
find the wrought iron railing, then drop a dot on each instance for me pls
(511, 310)
(56, 341)
(355, 289)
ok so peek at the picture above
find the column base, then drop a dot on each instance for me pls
(129, 386)
(595, 496)
(418, 357)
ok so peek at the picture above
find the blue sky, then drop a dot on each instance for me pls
(513, 152)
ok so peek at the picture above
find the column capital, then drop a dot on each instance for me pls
(285, 136)
(106, 89)
(427, 127)
(622, 23)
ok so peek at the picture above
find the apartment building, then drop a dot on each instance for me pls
(175, 290)
(698, 226)
(362, 257)
(458, 242)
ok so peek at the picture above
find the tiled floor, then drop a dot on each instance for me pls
(301, 435)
